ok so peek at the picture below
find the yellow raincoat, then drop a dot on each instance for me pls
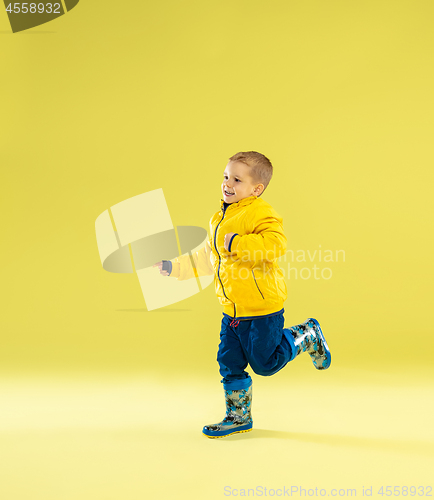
(248, 280)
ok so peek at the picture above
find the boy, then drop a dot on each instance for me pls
(245, 241)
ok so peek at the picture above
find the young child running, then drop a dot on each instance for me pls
(246, 239)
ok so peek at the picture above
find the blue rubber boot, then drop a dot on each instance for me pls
(238, 414)
(308, 337)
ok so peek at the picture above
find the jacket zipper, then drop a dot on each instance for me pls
(218, 269)
(257, 284)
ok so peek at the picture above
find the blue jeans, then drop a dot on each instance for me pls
(262, 343)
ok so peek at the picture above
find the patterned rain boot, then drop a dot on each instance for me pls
(238, 416)
(309, 337)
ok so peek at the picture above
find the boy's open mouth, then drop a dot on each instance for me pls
(228, 194)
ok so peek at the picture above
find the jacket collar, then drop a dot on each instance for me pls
(242, 203)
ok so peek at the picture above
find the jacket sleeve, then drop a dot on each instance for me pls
(183, 268)
(266, 242)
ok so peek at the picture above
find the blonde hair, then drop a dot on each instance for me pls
(261, 169)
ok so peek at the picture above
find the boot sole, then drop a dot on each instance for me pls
(226, 435)
(326, 347)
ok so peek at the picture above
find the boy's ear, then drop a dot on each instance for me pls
(259, 189)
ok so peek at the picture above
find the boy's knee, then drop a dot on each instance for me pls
(264, 372)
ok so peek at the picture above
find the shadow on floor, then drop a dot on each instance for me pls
(419, 447)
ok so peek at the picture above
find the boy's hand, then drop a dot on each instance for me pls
(160, 267)
(228, 237)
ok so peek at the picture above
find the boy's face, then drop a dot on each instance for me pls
(237, 183)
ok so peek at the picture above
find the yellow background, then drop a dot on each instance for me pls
(101, 399)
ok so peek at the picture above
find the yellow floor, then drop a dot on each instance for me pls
(69, 437)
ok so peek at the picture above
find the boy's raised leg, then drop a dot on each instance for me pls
(308, 337)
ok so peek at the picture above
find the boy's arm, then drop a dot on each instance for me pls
(266, 242)
(182, 267)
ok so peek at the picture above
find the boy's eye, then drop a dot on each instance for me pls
(238, 180)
